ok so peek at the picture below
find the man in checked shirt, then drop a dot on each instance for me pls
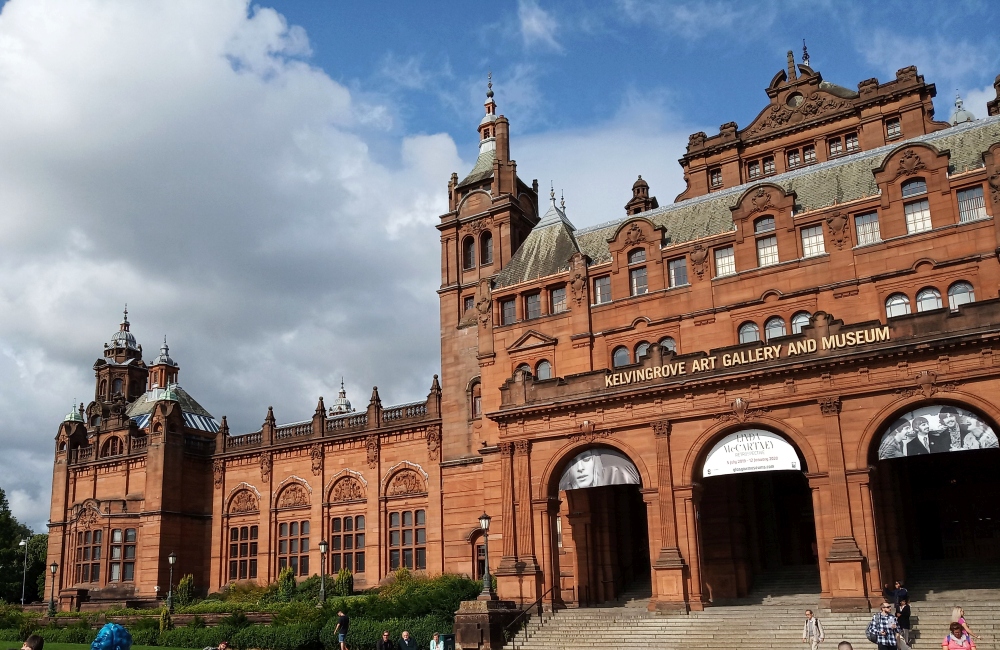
(885, 627)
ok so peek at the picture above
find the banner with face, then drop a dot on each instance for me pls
(936, 429)
(598, 467)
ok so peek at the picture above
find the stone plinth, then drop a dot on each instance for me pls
(479, 624)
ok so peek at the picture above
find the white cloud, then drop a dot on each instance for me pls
(942, 60)
(184, 157)
(975, 101)
(698, 20)
(538, 27)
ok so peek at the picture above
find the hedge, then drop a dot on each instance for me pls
(192, 637)
(365, 633)
(303, 636)
(10, 634)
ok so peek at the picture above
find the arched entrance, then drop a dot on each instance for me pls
(937, 509)
(756, 518)
(601, 532)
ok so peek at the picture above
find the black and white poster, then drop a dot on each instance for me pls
(934, 430)
(598, 467)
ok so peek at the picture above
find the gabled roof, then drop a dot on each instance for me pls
(545, 252)
(195, 415)
(483, 168)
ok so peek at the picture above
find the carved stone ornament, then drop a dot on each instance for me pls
(294, 496)
(578, 278)
(741, 411)
(434, 443)
(696, 140)
(522, 447)
(219, 470)
(347, 489)
(909, 164)
(405, 482)
(243, 502)
(829, 406)
(265, 465)
(837, 223)
(994, 182)
(88, 517)
(815, 105)
(699, 259)
(484, 304)
(661, 429)
(316, 455)
(588, 433)
(634, 235)
(761, 201)
(927, 385)
(371, 445)
(479, 225)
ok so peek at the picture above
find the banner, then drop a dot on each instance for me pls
(598, 467)
(936, 429)
(751, 450)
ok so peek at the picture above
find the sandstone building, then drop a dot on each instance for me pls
(760, 377)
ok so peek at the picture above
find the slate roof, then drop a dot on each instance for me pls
(483, 168)
(546, 250)
(195, 415)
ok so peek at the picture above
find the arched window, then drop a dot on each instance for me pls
(637, 256)
(103, 393)
(668, 344)
(112, 447)
(486, 248)
(543, 370)
(799, 321)
(523, 368)
(469, 253)
(620, 357)
(774, 327)
(116, 387)
(749, 332)
(928, 298)
(476, 405)
(897, 305)
(960, 293)
(641, 349)
(764, 224)
(914, 187)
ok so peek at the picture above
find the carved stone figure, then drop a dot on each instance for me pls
(909, 164)
(347, 489)
(219, 470)
(837, 223)
(293, 496)
(761, 201)
(405, 482)
(634, 235)
(699, 257)
(371, 445)
(434, 443)
(316, 455)
(265, 465)
(243, 502)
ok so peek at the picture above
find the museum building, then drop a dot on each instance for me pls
(758, 379)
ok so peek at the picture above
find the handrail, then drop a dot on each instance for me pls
(526, 611)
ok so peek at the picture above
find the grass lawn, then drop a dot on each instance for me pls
(79, 646)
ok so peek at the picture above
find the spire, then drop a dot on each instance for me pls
(805, 53)
(375, 398)
(125, 324)
(435, 385)
(270, 416)
(562, 201)
(73, 415)
(341, 404)
(792, 76)
(224, 427)
(320, 408)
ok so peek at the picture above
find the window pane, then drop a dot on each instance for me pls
(914, 187)
(130, 552)
(892, 129)
(725, 261)
(897, 305)
(918, 216)
(283, 547)
(253, 569)
(753, 169)
(602, 290)
(349, 561)
(620, 357)
(293, 546)
(867, 229)
(558, 300)
(394, 538)
(543, 370)
(851, 142)
(767, 251)
(764, 224)
(960, 293)
(244, 549)
(335, 524)
(359, 522)
(243, 570)
(420, 518)
(253, 532)
(407, 518)
(335, 542)
(336, 562)
(408, 558)
(421, 559)
(533, 305)
(253, 548)
(641, 349)
(486, 248)
(799, 321)
(769, 165)
(508, 312)
(116, 572)
(468, 253)
(86, 553)
(293, 529)
(812, 241)
(293, 562)
(282, 563)
(85, 573)
(678, 272)
(96, 555)
(98, 536)
(421, 536)
(793, 158)
(348, 524)
(928, 299)
(749, 333)
(304, 565)
(304, 529)
(774, 327)
(304, 545)
(232, 570)
(468, 303)
(95, 572)
(637, 281)
(359, 562)
(283, 530)
(835, 147)
(394, 560)
(348, 542)
(394, 520)
(359, 540)
(809, 154)
(971, 205)
(130, 534)
(408, 537)
(668, 344)
(244, 532)
(637, 256)
(86, 538)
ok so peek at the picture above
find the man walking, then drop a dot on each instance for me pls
(882, 629)
(341, 630)
(812, 631)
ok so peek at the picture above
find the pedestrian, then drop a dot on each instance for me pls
(958, 639)
(385, 643)
(343, 623)
(407, 642)
(812, 631)
(33, 642)
(899, 594)
(958, 616)
(436, 642)
(903, 618)
(882, 629)
(112, 637)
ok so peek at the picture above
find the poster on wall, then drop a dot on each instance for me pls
(751, 450)
(936, 429)
(598, 467)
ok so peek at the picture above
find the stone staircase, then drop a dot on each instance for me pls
(770, 617)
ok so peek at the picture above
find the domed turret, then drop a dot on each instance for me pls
(341, 404)
(74, 414)
(960, 115)
(641, 200)
(123, 338)
(163, 358)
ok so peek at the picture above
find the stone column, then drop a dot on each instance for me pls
(508, 557)
(864, 525)
(530, 578)
(690, 496)
(669, 592)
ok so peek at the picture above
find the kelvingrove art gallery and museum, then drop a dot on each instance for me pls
(768, 374)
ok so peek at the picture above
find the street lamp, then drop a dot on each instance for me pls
(24, 575)
(172, 558)
(323, 546)
(487, 593)
(52, 595)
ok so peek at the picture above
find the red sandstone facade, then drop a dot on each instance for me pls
(800, 302)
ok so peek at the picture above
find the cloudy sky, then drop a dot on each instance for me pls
(259, 182)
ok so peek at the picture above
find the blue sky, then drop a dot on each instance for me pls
(260, 182)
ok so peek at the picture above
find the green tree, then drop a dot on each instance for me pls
(286, 584)
(185, 590)
(38, 553)
(11, 555)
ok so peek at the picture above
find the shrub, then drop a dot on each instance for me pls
(302, 636)
(166, 623)
(343, 585)
(9, 634)
(192, 637)
(146, 636)
(237, 620)
(298, 611)
(196, 622)
(185, 590)
(286, 584)
(11, 616)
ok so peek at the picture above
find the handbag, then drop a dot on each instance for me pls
(872, 632)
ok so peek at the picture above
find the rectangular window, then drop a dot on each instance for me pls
(533, 305)
(557, 299)
(768, 165)
(468, 303)
(637, 281)
(753, 170)
(725, 261)
(245, 567)
(508, 311)
(411, 535)
(809, 154)
(88, 555)
(812, 241)
(836, 147)
(892, 128)
(677, 270)
(602, 290)
(793, 158)
(918, 216)
(866, 227)
(851, 142)
(971, 205)
(293, 547)
(767, 251)
(715, 178)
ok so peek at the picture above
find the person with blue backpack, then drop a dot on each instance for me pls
(882, 629)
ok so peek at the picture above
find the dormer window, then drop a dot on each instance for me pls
(715, 178)
(914, 187)
(794, 160)
(851, 142)
(836, 147)
(637, 256)
(764, 224)
(638, 284)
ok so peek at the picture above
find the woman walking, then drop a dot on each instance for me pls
(958, 616)
(958, 639)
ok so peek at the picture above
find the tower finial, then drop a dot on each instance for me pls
(805, 53)
(562, 201)
(125, 323)
(489, 84)
(552, 192)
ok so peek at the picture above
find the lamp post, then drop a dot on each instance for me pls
(24, 574)
(52, 594)
(171, 559)
(487, 593)
(323, 546)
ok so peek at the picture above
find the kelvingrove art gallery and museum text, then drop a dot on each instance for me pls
(793, 364)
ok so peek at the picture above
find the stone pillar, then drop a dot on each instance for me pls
(479, 624)
(864, 525)
(530, 578)
(846, 563)
(669, 592)
(690, 496)
(508, 555)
